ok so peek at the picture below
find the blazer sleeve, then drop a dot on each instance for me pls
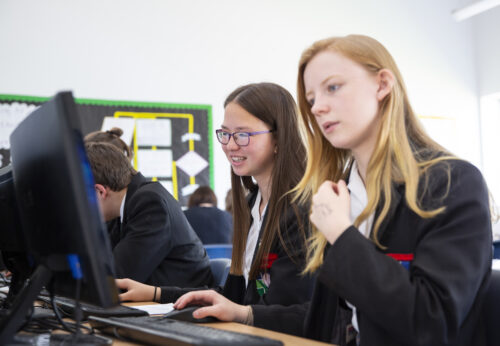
(147, 233)
(428, 303)
(170, 294)
(283, 319)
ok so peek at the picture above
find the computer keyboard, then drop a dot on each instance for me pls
(67, 305)
(162, 331)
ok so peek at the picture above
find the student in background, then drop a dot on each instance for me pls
(229, 201)
(111, 136)
(212, 225)
(261, 140)
(153, 243)
(402, 240)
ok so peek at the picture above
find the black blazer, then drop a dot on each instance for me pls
(436, 301)
(212, 225)
(155, 243)
(287, 286)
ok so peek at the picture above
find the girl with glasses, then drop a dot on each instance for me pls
(402, 231)
(261, 140)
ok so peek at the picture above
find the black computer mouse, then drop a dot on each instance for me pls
(186, 315)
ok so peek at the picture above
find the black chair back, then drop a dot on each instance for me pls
(220, 269)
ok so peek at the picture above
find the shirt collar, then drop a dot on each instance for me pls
(122, 207)
(356, 185)
(256, 207)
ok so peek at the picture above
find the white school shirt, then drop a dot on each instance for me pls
(253, 235)
(359, 200)
(122, 207)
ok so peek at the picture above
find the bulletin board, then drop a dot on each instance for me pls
(172, 143)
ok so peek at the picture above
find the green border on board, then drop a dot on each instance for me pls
(115, 103)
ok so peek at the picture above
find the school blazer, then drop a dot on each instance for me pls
(287, 286)
(155, 243)
(425, 288)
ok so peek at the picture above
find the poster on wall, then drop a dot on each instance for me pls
(172, 143)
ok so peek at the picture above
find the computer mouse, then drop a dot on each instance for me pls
(186, 315)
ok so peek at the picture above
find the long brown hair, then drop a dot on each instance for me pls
(402, 154)
(276, 107)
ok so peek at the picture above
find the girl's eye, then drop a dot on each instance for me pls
(311, 102)
(333, 87)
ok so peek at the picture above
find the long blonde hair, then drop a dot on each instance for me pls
(402, 154)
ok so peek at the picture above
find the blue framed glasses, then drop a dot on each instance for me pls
(240, 138)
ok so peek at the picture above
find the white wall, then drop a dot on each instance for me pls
(487, 39)
(486, 30)
(196, 51)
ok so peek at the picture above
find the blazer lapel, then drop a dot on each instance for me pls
(397, 192)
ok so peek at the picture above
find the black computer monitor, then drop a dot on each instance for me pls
(10, 232)
(12, 245)
(58, 207)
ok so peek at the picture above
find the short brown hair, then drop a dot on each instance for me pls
(109, 166)
(203, 194)
(111, 136)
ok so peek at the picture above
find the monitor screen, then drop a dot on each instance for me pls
(57, 202)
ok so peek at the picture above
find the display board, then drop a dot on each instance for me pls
(172, 143)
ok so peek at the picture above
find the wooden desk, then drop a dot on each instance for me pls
(287, 339)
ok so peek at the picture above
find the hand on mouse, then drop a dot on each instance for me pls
(136, 291)
(216, 305)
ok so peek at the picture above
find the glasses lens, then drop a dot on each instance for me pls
(223, 137)
(241, 138)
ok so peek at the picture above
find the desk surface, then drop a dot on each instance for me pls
(288, 340)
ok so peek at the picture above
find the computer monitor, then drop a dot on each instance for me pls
(58, 207)
(12, 245)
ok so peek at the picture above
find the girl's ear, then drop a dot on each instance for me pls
(385, 83)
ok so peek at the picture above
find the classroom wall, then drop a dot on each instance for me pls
(486, 28)
(196, 51)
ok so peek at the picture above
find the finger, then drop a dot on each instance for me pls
(335, 188)
(342, 188)
(124, 296)
(327, 183)
(313, 219)
(120, 283)
(123, 283)
(195, 296)
(212, 310)
(182, 301)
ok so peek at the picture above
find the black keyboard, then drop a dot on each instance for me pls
(165, 331)
(67, 305)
